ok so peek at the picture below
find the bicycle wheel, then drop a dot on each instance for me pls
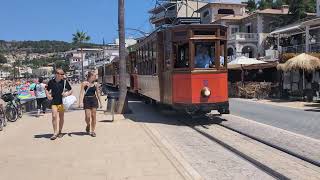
(1, 125)
(3, 118)
(11, 113)
(19, 109)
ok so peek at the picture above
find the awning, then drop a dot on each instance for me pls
(282, 30)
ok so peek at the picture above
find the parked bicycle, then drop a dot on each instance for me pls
(3, 121)
(13, 109)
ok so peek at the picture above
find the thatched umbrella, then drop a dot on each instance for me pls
(303, 61)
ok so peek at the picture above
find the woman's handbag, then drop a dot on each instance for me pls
(68, 100)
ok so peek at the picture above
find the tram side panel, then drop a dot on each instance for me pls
(149, 86)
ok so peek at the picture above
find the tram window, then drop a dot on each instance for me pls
(182, 60)
(204, 32)
(149, 52)
(223, 62)
(204, 57)
(154, 46)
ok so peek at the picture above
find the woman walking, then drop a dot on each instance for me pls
(90, 95)
(40, 92)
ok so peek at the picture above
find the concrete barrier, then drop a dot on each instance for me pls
(29, 105)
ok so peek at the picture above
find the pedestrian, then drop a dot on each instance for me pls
(40, 92)
(90, 95)
(58, 88)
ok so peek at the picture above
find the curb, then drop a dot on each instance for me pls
(178, 161)
(273, 104)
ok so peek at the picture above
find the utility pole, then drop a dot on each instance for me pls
(104, 63)
(122, 106)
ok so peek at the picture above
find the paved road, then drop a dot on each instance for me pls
(295, 120)
(207, 157)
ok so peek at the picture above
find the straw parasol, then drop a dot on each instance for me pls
(303, 61)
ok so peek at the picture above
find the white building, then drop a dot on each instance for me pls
(43, 71)
(129, 42)
(76, 57)
(4, 74)
(24, 71)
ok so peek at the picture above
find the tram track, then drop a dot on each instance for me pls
(202, 129)
(309, 167)
(287, 151)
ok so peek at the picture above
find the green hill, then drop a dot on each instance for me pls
(44, 46)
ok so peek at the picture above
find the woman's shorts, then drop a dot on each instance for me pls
(90, 102)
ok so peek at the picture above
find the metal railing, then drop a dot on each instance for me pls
(164, 14)
(313, 48)
(245, 37)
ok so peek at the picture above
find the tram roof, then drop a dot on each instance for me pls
(182, 26)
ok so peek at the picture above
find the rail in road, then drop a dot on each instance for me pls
(271, 159)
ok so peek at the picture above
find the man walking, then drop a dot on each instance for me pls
(57, 89)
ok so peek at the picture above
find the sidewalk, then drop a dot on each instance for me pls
(122, 150)
(290, 104)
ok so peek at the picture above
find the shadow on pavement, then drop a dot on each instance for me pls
(47, 136)
(155, 114)
(315, 107)
(313, 110)
(106, 121)
(78, 134)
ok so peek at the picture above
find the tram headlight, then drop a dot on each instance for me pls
(205, 92)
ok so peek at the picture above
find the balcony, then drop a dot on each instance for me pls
(313, 48)
(162, 15)
(244, 37)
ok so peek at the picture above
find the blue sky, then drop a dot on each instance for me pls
(58, 19)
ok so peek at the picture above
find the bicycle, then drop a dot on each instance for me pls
(3, 121)
(18, 104)
(13, 109)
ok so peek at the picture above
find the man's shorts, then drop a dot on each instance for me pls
(59, 107)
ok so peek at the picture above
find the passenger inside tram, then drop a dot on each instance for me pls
(203, 58)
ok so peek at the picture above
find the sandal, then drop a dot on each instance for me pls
(60, 135)
(88, 128)
(54, 137)
(93, 134)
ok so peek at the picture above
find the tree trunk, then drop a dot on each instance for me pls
(122, 105)
(82, 61)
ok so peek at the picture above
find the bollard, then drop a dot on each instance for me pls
(112, 99)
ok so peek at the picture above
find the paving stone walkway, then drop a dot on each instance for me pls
(122, 150)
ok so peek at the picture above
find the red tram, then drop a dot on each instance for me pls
(184, 66)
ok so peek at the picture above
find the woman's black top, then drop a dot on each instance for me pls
(91, 91)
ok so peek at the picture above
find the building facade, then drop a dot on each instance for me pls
(248, 32)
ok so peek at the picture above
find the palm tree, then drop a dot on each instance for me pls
(123, 104)
(79, 38)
